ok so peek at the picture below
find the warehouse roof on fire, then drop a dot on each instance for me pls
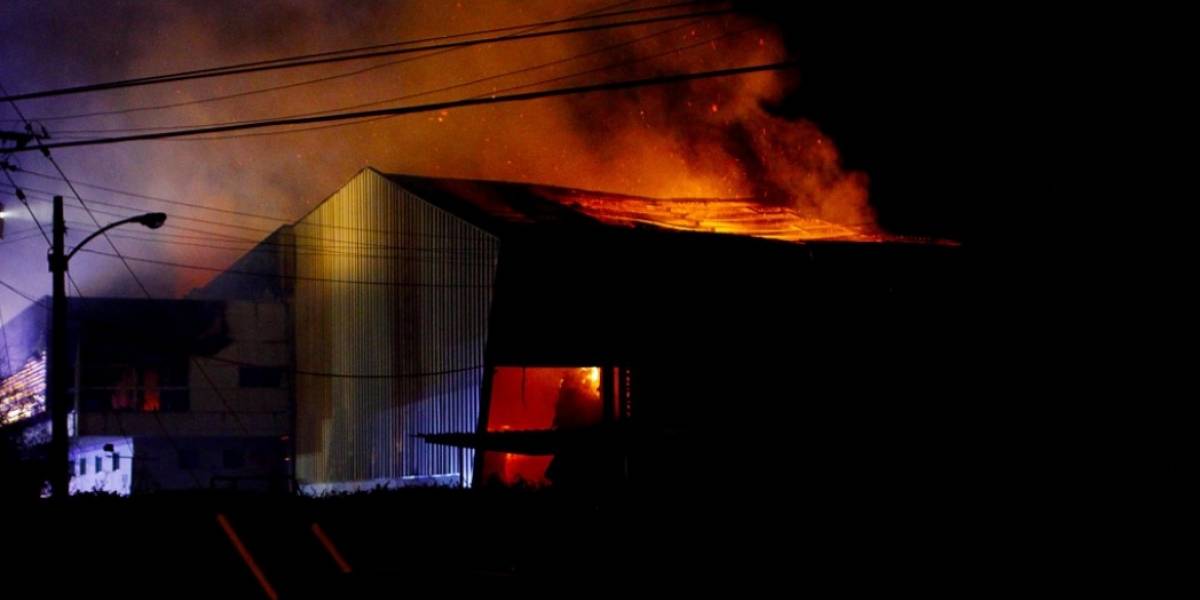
(495, 205)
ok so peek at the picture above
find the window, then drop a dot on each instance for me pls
(188, 458)
(539, 398)
(99, 463)
(135, 384)
(151, 396)
(234, 458)
(260, 377)
(83, 466)
(116, 461)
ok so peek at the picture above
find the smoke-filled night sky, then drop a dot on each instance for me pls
(846, 137)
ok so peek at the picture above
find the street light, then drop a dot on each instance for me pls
(56, 365)
(151, 220)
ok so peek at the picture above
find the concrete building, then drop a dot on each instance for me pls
(162, 397)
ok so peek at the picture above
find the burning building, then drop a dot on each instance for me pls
(413, 330)
(462, 331)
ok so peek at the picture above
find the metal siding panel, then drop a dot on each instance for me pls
(351, 429)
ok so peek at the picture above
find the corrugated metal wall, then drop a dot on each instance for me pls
(392, 297)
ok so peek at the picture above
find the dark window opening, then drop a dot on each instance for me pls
(260, 377)
(234, 458)
(116, 457)
(188, 458)
(83, 466)
(99, 464)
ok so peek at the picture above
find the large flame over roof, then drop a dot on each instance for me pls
(519, 203)
(738, 216)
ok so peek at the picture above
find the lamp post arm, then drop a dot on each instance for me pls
(98, 232)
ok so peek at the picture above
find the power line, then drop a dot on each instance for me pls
(405, 110)
(149, 197)
(225, 236)
(582, 16)
(306, 250)
(136, 209)
(158, 419)
(279, 219)
(70, 206)
(413, 375)
(409, 96)
(609, 48)
(167, 263)
(10, 233)
(22, 236)
(327, 240)
(576, 74)
(398, 98)
(327, 244)
(603, 12)
(360, 56)
(454, 255)
(20, 195)
(104, 234)
(321, 241)
(47, 195)
(263, 216)
(624, 63)
(23, 294)
(46, 153)
(324, 240)
(341, 248)
(237, 136)
(146, 292)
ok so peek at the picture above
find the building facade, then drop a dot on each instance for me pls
(391, 304)
(162, 397)
(419, 331)
(460, 332)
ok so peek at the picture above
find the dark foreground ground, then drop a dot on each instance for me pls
(535, 543)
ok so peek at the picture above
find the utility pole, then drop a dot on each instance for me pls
(56, 365)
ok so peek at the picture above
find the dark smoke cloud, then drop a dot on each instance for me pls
(706, 138)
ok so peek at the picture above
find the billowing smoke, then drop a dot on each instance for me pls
(708, 138)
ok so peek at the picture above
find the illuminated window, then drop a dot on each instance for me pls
(160, 386)
(538, 398)
(151, 398)
(22, 393)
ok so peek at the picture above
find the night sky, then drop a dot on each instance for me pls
(878, 91)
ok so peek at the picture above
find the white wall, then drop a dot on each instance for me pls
(118, 481)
